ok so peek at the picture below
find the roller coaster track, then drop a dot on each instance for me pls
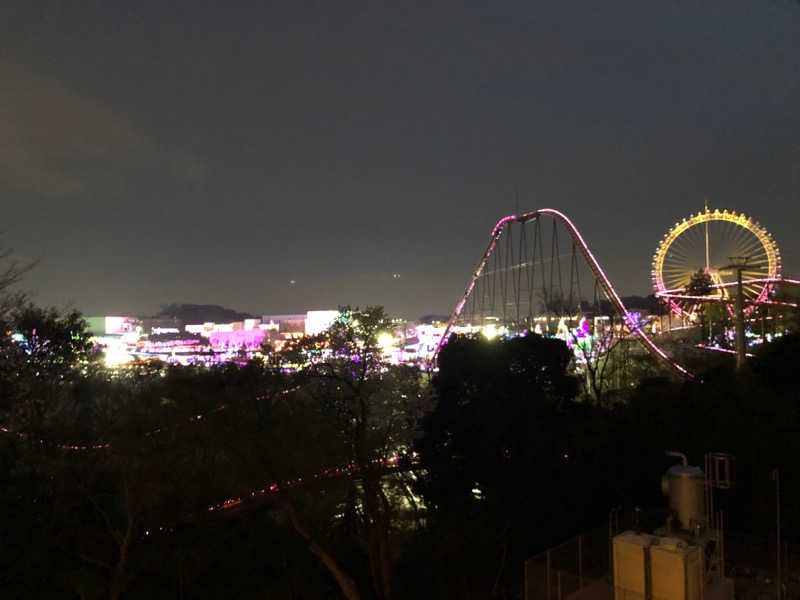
(680, 293)
(597, 270)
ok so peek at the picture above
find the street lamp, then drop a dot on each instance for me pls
(739, 263)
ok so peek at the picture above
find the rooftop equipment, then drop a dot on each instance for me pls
(685, 486)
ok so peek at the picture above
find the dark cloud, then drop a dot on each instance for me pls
(189, 151)
(60, 143)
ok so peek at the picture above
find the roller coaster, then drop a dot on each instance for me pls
(523, 281)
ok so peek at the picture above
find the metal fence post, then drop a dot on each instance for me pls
(559, 585)
(580, 562)
(610, 551)
(786, 566)
(548, 575)
(525, 582)
(776, 476)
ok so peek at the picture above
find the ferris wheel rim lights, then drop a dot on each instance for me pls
(768, 244)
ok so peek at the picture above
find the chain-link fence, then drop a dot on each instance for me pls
(577, 569)
(580, 568)
(751, 561)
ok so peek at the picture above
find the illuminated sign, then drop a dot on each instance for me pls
(120, 325)
(160, 330)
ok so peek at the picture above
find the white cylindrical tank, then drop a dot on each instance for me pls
(685, 487)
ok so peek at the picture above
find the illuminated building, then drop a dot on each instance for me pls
(125, 339)
(287, 324)
(318, 321)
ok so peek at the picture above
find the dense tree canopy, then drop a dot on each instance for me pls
(113, 482)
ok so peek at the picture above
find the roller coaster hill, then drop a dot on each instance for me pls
(714, 273)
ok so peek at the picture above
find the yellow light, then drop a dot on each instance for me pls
(490, 331)
(386, 341)
(116, 355)
(562, 329)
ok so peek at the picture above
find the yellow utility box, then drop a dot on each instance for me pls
(631, 565)
(676, 570)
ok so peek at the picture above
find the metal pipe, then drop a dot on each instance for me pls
(525, 594)
(611, 547)
(559, 585)
(707, 491)
(722, 544)
(711, 508)
(680, 455)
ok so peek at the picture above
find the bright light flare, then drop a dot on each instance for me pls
(116, 354)
(386, 341)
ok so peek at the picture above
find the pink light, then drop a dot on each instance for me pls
(387, 462)
(600, 275)
(681, 328)
(761, 299)
(778, 303)
(250, 339)
(723, 299)
(696, 298)
(726, 350)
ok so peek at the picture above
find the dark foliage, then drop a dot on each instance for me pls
(650, 303)
(495, 446)
(510, 464)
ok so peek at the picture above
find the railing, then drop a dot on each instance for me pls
(575, 569)
(579, 569)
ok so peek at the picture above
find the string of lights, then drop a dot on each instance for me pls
(390, 462)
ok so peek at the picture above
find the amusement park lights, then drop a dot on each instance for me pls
(490, 331)
(386, 342)
(594, 265)
(679, 255)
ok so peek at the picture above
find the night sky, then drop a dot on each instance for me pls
(212, 152)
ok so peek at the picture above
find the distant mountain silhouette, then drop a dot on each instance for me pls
(200, 313)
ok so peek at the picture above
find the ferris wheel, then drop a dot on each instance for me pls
(708, 242)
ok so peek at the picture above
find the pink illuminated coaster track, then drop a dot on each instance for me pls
(515, 280)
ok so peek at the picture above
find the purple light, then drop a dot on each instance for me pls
(498, 229)
(249, 339)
